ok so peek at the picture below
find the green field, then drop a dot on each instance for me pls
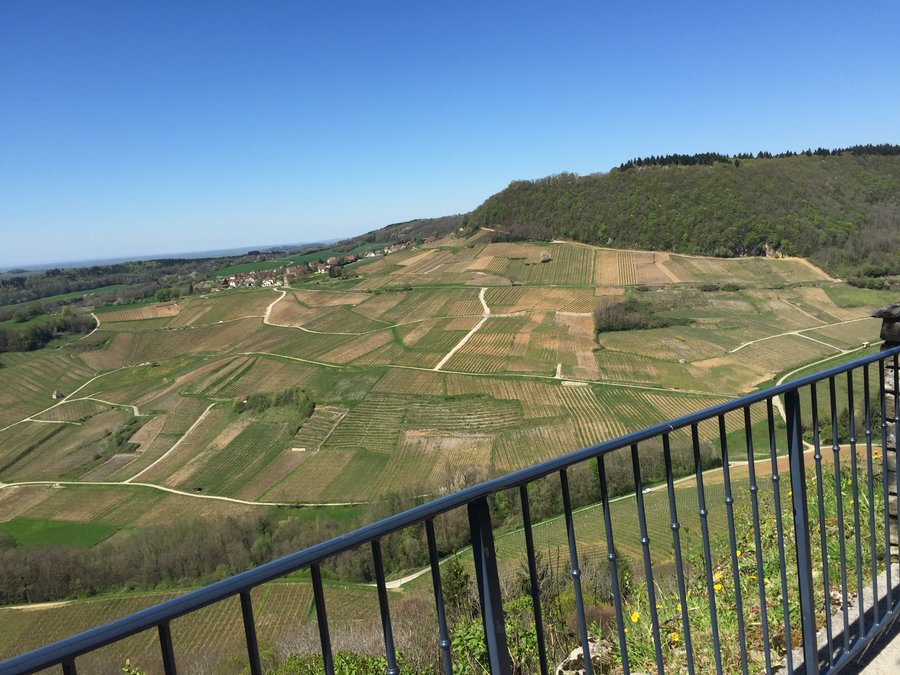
(29, 532)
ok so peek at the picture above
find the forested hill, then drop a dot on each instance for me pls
(839, 208)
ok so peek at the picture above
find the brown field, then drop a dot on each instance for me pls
(357, 348)
(162, 311)
(414, 382)
(376, 305)
(289, 311)
(743, 270)
(329, 298)
(112, 355)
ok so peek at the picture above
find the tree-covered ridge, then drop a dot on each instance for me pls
(841, 210)
(709, 158)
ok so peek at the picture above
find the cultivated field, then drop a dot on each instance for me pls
(434, 364)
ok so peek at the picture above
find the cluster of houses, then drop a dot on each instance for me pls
(273, 277)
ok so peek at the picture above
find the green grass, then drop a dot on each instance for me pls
(30, 532)
(844, 295)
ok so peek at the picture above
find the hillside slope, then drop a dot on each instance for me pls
(843, 211)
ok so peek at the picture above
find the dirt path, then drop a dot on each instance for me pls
(95, 327)
(459, 345)
(174, 446)
(194, 495)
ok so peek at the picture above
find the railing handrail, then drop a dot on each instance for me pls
(151, 617)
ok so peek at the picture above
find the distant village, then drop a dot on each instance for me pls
(332, 266)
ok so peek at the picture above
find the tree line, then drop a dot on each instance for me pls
(710, 158)
(38, 334)
(841, 210)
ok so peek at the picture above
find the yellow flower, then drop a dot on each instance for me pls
(718, 587)
(765, 580)
(738, 553)
(716, 576)
(626, 629)
(679, 607)
(634, 617)
(752, 577)
(674, 636)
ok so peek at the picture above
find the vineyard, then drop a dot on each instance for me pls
(209, 638)
(152, 397)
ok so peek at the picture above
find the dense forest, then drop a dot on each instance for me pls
(841, 208)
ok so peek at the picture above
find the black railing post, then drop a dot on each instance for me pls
(250, 633)
(488, 586)
(801, 531)
(165, 645)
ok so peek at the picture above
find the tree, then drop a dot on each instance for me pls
(165, 294)
(545, 256)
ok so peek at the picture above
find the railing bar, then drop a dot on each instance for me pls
(435, 563)
(165, 645)
(803, 549)
(873, 558)
(100, 636)
(707, 554)
(857, 529)
(484, 556)
(885, 488)
(383, 607)
(823, 538)
(611, 555)
(645, 547)
(732, 540)
(757, 542)
(838, 486)
(250, 633)
(676, 545)
(576, 572)
(535, 588)
(68, 667)
(322, 620)
(779, 530)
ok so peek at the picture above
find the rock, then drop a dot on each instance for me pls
(573, 664)
(890, 312)
(890, 323)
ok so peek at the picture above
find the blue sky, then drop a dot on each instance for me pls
(132, 127)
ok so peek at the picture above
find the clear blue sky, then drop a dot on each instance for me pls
(132, 127)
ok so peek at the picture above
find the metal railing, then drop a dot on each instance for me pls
(839, 645)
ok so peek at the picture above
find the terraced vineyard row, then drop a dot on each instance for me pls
(374, 424)
(318, 427)
(463, 415)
